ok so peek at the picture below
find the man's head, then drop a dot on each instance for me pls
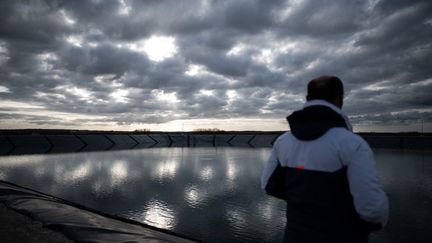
(329, 88)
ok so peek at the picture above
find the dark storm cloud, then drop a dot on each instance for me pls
(323, 19)
(104, 59)
(232, 59)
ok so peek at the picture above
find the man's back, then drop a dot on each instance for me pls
(319, 203)
(322, 154)
(328, 180)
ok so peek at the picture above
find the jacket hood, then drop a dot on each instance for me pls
(314, 121)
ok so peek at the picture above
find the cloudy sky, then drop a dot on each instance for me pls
(228, 64)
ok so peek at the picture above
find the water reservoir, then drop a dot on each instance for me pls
(211, 194)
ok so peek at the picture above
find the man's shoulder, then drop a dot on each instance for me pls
(337, 135)
(343, 132)
(333, 133)
(283, 137)
(344, 136)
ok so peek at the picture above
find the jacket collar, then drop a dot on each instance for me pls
(333, 107)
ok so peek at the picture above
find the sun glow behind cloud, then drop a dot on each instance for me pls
(157, 48)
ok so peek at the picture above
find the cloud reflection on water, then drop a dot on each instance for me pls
(80, 172)
(119, 172)
(207, 173)
(158, 214)
(195, 196)
(188, 190)
(166, 169)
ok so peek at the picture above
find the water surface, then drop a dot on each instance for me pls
(211, 194)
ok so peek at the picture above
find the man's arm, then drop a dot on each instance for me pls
(269, 168)
(370, 201)
(273, 176)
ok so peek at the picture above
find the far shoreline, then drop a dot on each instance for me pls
(203, 131)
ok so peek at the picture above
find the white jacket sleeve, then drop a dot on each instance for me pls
(269, 168)
(370, 201)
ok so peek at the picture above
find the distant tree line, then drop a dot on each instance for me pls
(142, 130)
(208, 130)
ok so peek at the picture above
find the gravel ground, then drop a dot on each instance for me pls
(16, 227)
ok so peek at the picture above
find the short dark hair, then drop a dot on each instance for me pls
(328, 88)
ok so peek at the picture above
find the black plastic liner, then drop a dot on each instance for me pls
(79, 223)
(20, 142)
(15, 144)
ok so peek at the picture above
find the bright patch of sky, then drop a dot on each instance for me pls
(75, 40)
(4, 89)
(377, 86)
(193, 70)
(206, 92)
(67, 18)
(120, 96)
(157, 48)
(46, 61)
(161, 95)
(236, 50)
(18, 105)
(4, 56)
(40, 94)
(425, 83)
(124, 8)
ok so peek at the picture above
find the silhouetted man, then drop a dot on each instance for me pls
(325, 173)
